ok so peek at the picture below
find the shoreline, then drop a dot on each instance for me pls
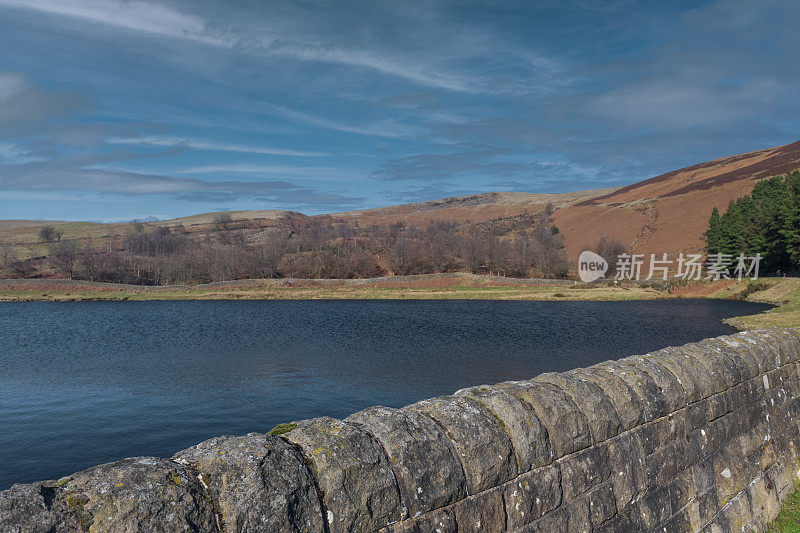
(784, 293)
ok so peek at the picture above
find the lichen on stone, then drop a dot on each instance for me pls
(281, 429)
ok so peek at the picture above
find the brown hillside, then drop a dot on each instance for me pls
(667, 213)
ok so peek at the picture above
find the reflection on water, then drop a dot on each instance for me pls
(84, 383)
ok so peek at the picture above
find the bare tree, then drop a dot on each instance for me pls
(64, 257)
(138, 225)
(7, 255)
(222, 221)
(609, 248)
(47, 234)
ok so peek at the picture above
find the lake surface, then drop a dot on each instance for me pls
(90, 382)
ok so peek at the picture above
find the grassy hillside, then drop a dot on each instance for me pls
(480, 233)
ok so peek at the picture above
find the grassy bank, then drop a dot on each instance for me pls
(473, 288)
(788, 521)
(783, 292)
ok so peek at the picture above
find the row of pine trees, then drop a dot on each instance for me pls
(767, 222)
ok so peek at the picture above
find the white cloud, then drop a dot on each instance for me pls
(13, 153)
(199, 144)
(131, 15)
(255, 169)
(390, 129)
(11, 84)
(23, 103)
(153, 18)
(411, 70)
(687, 101)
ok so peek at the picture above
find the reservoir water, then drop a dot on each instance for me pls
(84, 383)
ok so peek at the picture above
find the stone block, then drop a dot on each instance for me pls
(628, 474)
(583, 470)
(626, 403)
(482, 512)
(352, 472)
(439, 521)
(591, 400)
(668, 384)
(428, 471)
(133, 495)
(694, 376)
(602, 504)
(572, 516)
(528, 435)
(257, 483)
(565, 423)
(481, 441)
(531, 495)
(663, 432)
(723, 373)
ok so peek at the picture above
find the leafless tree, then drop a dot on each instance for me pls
(47, 234)
(609, 248)
(64, 257)
(222, 221)
(7, 254)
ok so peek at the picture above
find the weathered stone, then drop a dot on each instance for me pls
(624, 399)
(680, 523)
(734, 357)
(438, 520)
(742, 344)
(531, 495)
(777, 348)
(482, 443)
(566, 424)
(352, 471)
(715, 366)
(660, 466)
(583, 470)
(257, 482)
(623, 522)
(482, 512)
(571, 516)
(703, 412)
(688, 450)
(528, 435)
(428, 471)
(602, 504)
(722, 372)
(140, 494)
(647, 390)
(663, 431)
(591, 400)
(709, 382)
(33, 508)
(653, 509)
(792, 336)
(668, 384)
(687, 378)
(746, 366)
(734, 346)
(626, 460)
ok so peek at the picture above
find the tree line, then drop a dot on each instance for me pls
(527, 245)
(766, 222)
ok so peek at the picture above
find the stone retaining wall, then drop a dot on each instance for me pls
(703, 437)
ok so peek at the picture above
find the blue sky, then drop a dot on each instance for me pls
(112, 110)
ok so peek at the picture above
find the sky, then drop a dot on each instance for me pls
(112, 110)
